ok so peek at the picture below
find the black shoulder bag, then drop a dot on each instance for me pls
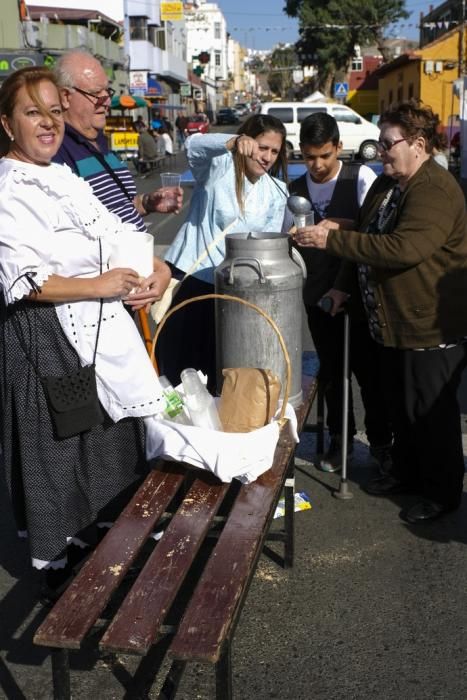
(72, 399)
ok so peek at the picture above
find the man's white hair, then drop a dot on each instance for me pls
(65, 67)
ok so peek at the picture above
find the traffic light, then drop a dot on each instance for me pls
(199, 70)
(204, 57)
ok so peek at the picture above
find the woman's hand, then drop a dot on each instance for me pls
(150, 289)
(312, 236)
(245, 145)
(116, 283)
(165, 200)
(338, 300)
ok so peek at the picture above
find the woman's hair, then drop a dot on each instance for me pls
(415, 119)
(254, 126)
(29, 78)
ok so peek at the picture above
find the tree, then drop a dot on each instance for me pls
(330, 29)
(282, 63)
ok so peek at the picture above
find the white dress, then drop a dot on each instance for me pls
(50, 223)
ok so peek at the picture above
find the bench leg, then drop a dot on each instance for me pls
(224, 674)
(172, 680)
(61, 674)
(289, 515)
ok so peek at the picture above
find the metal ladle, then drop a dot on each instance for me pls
(298, 205)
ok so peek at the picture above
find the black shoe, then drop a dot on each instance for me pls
(386, 486)
(331, 461)
(54, 583)
(382, 455)
(426, 510)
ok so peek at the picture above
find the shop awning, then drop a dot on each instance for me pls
(128, 102)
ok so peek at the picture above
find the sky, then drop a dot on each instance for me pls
(256, 24)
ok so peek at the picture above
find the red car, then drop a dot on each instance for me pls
(197, 124)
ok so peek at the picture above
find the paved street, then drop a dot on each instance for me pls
(373, 608)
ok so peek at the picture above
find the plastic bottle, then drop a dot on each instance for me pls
(174, 409)
(199, 402)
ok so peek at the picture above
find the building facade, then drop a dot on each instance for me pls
(207, 38)
(157, 56)
(431, 73)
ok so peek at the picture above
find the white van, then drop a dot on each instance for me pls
(359, 137)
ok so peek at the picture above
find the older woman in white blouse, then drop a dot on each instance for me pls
(56, 238)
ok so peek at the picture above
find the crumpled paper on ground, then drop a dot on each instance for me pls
(243, 456)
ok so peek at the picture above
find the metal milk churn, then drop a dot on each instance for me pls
(264, 269)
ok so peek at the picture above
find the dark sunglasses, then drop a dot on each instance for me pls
(97, 100)
(386, 146)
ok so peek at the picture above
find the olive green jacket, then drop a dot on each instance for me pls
(418, 265)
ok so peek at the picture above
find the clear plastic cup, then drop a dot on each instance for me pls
(170, 182)
(170, 179)
(302, 220)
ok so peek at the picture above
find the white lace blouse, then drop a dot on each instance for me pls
(50, 223)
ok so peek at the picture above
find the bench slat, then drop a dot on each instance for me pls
(211, 615)
(136, 625)
(208, 619)
(79, 607)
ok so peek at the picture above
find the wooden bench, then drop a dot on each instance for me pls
(190, 591)
(152, 164)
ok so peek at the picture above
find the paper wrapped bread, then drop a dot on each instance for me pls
(249, 398)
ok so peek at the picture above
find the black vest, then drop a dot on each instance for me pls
(322, 268)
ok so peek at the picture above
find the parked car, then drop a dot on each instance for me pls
(242, 109)
(359, 137)
(198, 124)
(226, 115)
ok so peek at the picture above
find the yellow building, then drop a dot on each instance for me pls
(429, 74)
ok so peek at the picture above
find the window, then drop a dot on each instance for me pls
(345, 115)
(357, 64)
(285, 114)
(390, 97)
(217, 59)
(411, 91)
(304, 112)
(400, 94)
(139, 28)
(156, 36)
(217, 30)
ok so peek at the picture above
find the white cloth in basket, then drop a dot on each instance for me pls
(243, 456)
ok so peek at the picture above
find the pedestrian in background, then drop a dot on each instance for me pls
(181, 124)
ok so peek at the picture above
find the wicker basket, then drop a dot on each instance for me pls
(281, 420)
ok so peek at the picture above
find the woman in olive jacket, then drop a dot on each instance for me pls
(410, 253)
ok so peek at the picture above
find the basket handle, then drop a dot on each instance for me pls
(259, 310)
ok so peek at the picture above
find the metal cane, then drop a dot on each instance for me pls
(343, 492)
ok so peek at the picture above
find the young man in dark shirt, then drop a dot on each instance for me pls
(336, 190)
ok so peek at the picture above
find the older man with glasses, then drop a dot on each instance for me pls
(86, 99)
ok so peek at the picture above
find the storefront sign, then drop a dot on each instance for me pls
(138, 82)
(154, 86)
(11, 60)
(185, 90)
(124, 141)
(171, 11)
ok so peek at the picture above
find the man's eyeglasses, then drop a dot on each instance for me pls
(97, 100)
(384, 145)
